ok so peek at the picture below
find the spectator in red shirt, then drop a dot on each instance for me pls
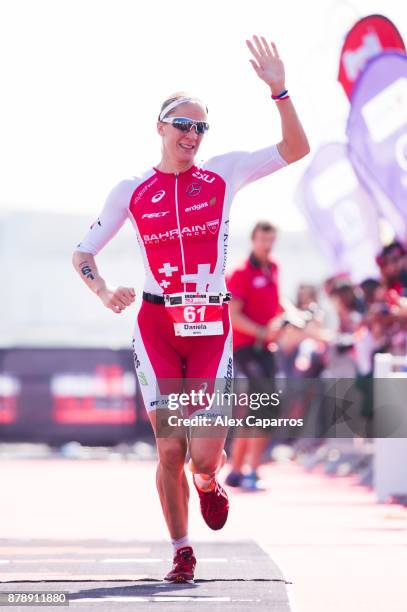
(392, 263)
(255, 310)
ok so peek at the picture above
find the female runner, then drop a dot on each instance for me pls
(180, 212)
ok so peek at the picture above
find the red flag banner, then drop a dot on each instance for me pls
(370, 36)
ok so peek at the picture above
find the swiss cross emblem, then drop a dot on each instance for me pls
(202, 278)
(168, 269)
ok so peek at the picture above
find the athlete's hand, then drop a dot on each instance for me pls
(117, 299)
(268, 65)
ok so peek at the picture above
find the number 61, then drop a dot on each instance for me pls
(190, 313)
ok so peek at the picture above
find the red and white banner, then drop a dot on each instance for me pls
(370, 36)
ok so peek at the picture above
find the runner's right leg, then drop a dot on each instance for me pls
(172, 484)
(155, 358)
(173, 490)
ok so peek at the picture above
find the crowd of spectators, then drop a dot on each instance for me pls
(343, 325)
(351, 320)
(322, 345)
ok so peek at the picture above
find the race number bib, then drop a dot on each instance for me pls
(195, 314)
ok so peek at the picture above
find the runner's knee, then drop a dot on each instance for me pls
(172, 456)
(204, 465)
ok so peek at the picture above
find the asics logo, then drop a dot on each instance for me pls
(158, 196)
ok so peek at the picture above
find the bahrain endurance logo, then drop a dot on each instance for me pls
(213, 226)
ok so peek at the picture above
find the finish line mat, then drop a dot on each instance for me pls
(103, 575)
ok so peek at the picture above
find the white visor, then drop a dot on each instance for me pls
(176, 103)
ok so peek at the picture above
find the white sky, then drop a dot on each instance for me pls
(82, 82)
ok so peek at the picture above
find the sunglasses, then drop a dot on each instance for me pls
(185, 125)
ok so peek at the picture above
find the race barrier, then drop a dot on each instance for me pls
(390, 456)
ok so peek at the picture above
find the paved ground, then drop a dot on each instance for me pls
(334, 543)
(96, 574)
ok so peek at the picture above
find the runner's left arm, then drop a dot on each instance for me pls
(243, 167)
(269, 67)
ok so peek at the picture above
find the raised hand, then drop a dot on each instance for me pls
(267, 63)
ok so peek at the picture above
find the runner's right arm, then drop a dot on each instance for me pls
(117, 299)
(101, 232)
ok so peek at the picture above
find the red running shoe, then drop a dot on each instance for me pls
(183, 566)
(214, 506)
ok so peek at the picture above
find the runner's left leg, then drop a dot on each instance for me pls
(207, 456)
(207, 453)
(210, 363)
